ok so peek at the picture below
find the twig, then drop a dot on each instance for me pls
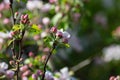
(50, 53)
(13, 44)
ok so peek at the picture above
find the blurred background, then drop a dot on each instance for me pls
(94, 25)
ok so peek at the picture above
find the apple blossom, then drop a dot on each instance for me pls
(3, 65)
(59, 34)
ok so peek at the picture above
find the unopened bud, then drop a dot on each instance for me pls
(26, 73)
(24, 68)
(31, 54)
(112, 78)
(16, 14)
(43, 58)
(12, 62)
(53, 29)
(64, 40)
(26, 16)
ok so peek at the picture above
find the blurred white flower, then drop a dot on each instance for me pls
(65, 74)
(100, 19)
(66, 35)
(43, 34)
(3, 65)
(46, 7)
(6, 1)
(45, 20)
(111, 53)
(24, 78)
(1, 40)
(10, 73)
(34, 4)
(48, 75)
(4, 35)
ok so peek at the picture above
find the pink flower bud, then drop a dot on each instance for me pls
(16, 14)
(53, 29)
(6, 21)
(12, 62)
(30, 65)
(53, 1)
(26, 73)
(26, 16)
(112, 78)
(22, 16)
(10, 73)
(24, 68)
(31, 54)
(12, 33)
(43, 58)
(65, 40)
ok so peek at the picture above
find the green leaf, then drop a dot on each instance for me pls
(2, 77)
(56, 18)
(16, 27)
(2, 55)
(35, 29)
(54, 51)
(9, 42)
(67, 45)
(18, 0)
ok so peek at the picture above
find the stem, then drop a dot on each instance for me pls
(17, 72)
(12, 13)
(13, 44)
(50, 53)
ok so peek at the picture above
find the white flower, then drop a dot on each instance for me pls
(48, 75)
(6, 1)
(43, 34)
(4, 35)
(65, 73)
(66, 35)
(3, 66)
(111, 53)
(46, 7)
(34, 4)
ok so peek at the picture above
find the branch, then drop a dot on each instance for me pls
(50, 53)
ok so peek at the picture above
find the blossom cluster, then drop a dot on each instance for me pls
(4, 70)
(64, 35)
(114, 78)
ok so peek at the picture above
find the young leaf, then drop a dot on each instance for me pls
(9, 42)
(35, 29)
(67, 45)
(16, 27)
